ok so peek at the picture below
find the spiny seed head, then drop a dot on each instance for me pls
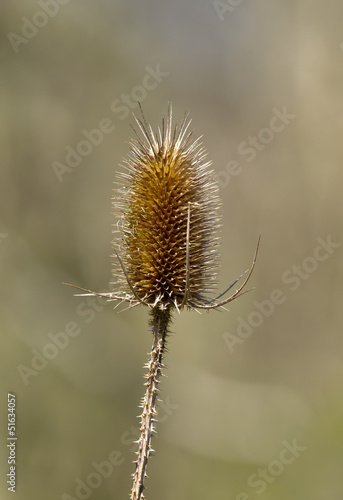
(167, 204)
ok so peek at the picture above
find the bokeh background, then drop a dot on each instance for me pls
(235, 397)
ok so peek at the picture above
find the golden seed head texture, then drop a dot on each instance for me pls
(167, 206)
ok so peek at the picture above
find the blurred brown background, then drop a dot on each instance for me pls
(252, 402)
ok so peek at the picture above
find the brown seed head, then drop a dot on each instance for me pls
(167, 205)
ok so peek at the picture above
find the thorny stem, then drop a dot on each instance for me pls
(159, 323)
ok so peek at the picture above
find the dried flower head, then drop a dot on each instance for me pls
(167, 206)
(168, 209)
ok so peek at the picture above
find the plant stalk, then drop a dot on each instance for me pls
(159, 322)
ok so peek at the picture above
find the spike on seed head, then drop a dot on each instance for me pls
(168, 209)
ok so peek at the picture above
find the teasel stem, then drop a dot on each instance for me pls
(159, 322)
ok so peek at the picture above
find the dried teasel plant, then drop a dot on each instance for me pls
(166, 246)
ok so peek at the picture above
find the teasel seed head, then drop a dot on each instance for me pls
(166, 245)
(167, 206)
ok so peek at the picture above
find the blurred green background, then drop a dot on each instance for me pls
(242, 387)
